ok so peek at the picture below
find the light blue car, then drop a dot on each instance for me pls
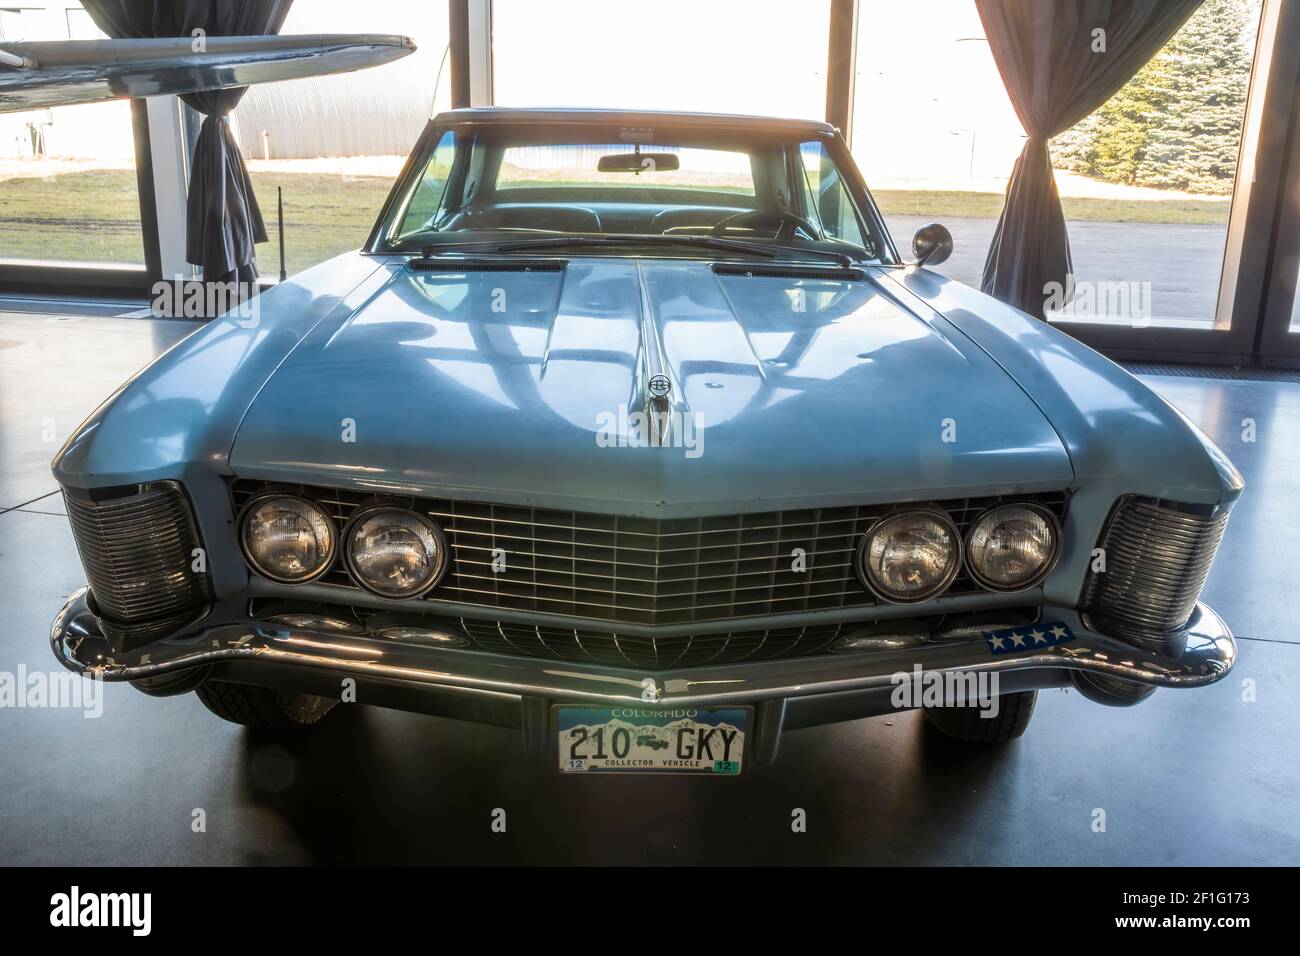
(641, 412)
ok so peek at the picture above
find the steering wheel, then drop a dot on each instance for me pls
(788, 223)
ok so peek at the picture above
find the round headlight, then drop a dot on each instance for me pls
(1012, 546)
(910, 556)
(288, 539)
(395, 553)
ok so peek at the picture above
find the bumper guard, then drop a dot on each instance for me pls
(1203, 652)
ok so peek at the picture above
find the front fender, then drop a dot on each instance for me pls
(1122, 438)
(186, 406)
(1112, 425)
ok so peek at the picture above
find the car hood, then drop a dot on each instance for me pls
(785, 390)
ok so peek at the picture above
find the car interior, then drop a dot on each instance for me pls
(591, 184)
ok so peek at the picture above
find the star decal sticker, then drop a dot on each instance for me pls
(1028, 638)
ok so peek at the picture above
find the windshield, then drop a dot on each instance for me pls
(507, 183)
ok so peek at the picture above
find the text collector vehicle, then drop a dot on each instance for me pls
(628, 429)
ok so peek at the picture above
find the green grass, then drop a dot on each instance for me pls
(970, 205)
(323, 216)
(91, 216)
(94, 215)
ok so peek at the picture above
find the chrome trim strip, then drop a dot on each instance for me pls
(657, 383)
(1200, 654)
(433, 605)
(1158, 556)
(137, 549)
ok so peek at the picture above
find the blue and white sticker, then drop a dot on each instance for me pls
(1014, 640)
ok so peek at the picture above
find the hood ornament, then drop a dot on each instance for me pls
(658, 385)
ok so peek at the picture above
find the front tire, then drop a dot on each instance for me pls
(264, 708)
(966, 724)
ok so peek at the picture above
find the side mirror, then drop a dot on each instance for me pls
(932, 244)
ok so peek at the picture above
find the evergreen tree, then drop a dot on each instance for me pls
(1177, 123)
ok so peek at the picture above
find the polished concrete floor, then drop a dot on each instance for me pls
(1205, 777)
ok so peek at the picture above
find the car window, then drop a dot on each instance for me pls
(534, 180)
(826, 198)
(429, 199)
(708, 170)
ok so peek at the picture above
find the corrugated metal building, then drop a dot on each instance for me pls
(370, 113)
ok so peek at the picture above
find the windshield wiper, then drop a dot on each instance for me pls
(709, 242)
(844, 259)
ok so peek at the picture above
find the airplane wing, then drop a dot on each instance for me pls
(39, 75)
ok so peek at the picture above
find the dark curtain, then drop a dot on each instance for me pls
(224, 220)
(1055, 75)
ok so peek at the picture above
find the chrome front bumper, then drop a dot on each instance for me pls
(1200, 654)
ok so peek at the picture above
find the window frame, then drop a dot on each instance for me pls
(805, 191)
(43, 278)
(1249, 248)
(391, 214)
(399, 224)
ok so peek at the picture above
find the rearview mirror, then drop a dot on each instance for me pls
(637, 162)
(932, 244)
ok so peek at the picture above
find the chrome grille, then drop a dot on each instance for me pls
(136, 546)
(1157, 557)
(697, 650)
(628, 570)
(621, 650)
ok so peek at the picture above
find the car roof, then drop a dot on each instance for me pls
(558, 116)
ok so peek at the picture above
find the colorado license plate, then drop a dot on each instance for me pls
(628, 739)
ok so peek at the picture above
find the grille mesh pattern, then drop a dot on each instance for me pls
(623, 650)
(628, 570)
(1158, 555)
(656, 652)
(136, 550)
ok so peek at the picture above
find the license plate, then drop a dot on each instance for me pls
(631, 740)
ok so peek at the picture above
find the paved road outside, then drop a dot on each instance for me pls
(1181, 262)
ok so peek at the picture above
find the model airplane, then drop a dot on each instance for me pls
(58, 73)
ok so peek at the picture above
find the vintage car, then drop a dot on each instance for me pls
(638, 424)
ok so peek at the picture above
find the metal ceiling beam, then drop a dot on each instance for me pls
(470, 26)
(841, 66)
